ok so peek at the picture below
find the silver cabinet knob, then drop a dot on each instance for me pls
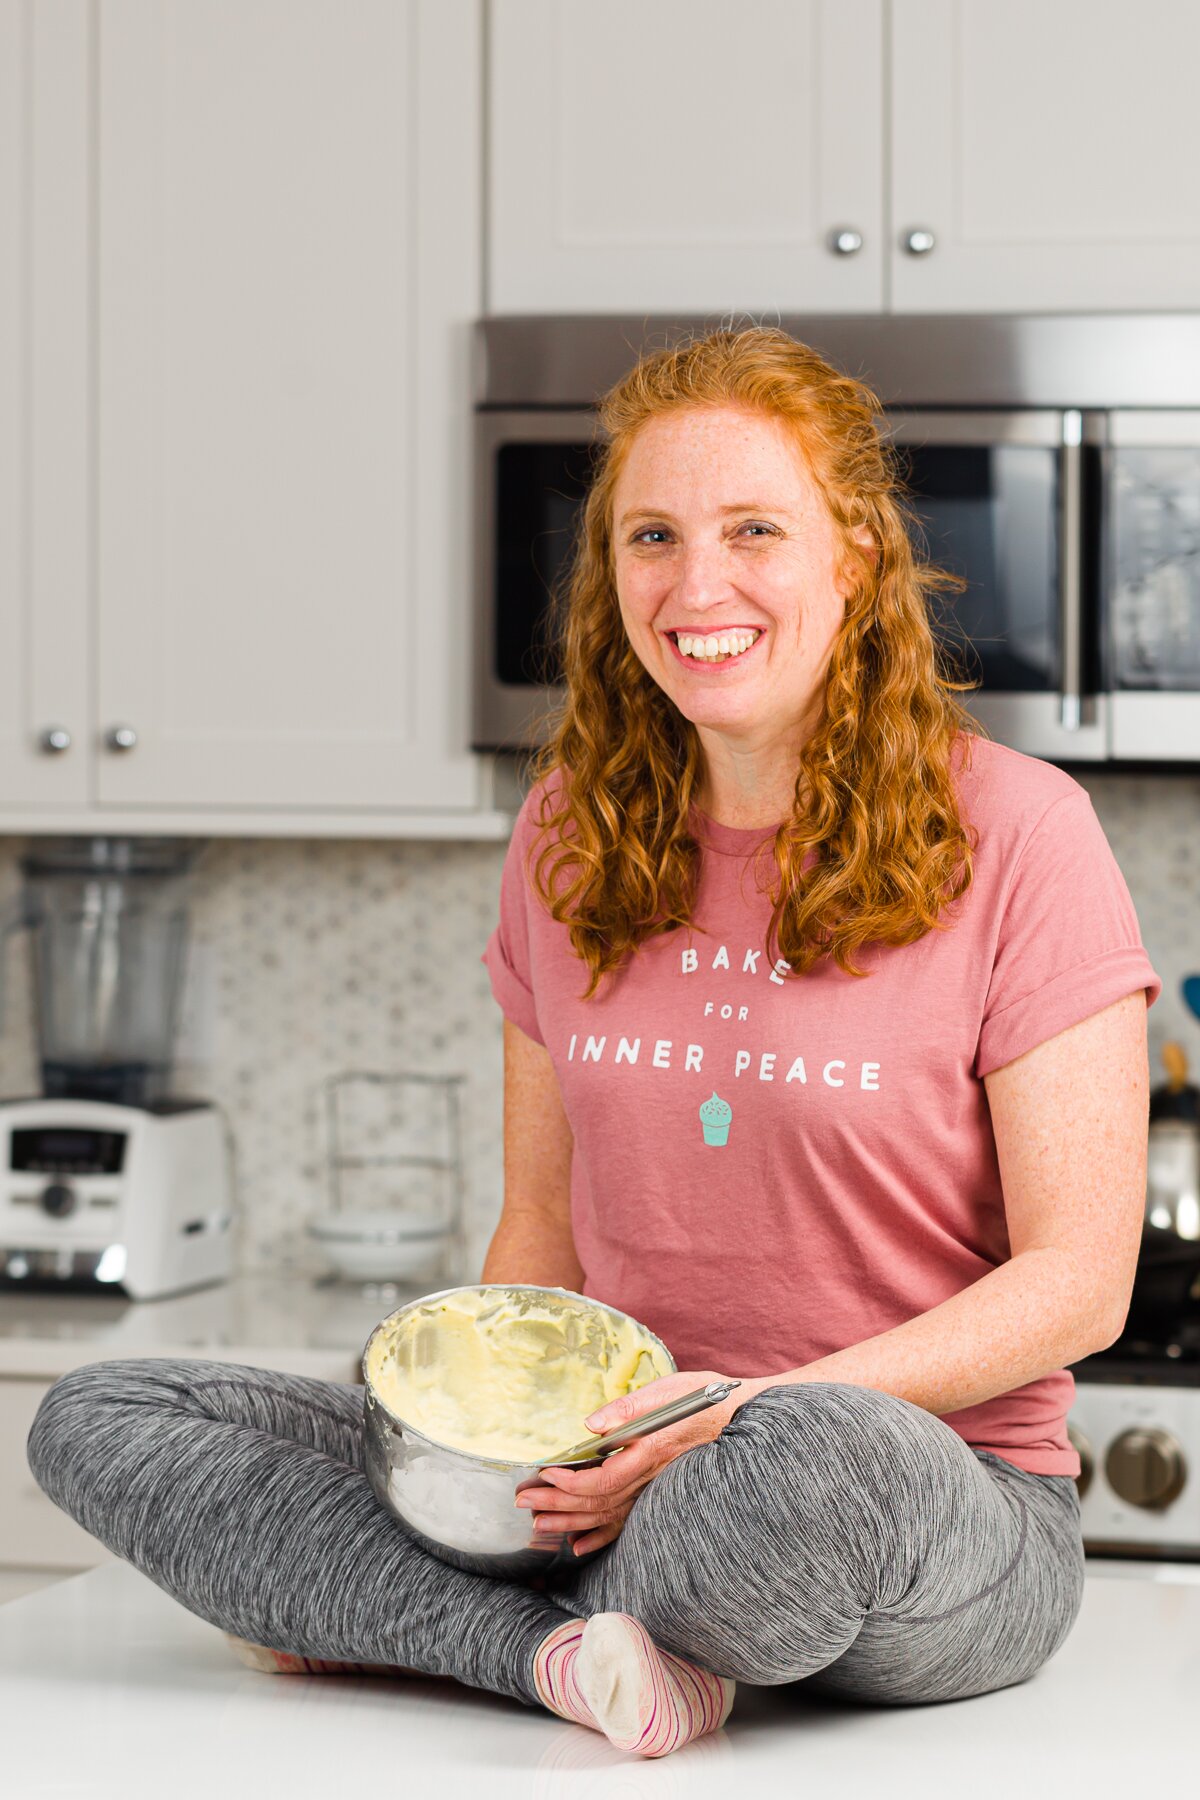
(54, 740)
(844, 240)
(121, 737)
(919, 241)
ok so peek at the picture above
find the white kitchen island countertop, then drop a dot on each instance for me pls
(278, 1321)
(110, 1691)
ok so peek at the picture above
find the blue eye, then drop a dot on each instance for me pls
(659, 530)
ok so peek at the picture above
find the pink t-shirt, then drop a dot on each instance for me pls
(766, 1170)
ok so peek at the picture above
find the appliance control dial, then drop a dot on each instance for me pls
(1145, 1466)
(59, 1199)
(1087, 1459)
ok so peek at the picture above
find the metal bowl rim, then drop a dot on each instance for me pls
(473, 1287)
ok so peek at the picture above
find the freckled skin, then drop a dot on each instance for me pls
(691, 568)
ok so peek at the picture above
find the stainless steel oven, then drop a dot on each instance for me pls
(1052, 460)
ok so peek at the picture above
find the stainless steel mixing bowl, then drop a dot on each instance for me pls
(462, 1507)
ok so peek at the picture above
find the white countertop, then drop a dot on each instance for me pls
(279, 1322)
(110, 1690)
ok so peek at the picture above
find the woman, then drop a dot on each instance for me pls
(825, 1057)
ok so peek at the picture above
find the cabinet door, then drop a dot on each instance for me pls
(683, 156)
(289, 210)
(33, 1531)
(45, 727)
(1050, 151)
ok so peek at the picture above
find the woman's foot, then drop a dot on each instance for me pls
(283, 1662)
(607, 1672)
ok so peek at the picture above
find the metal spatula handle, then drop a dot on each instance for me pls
(670, 1414)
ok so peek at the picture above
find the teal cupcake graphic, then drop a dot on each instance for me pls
(715, 1116)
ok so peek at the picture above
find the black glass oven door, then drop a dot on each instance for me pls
(999, 499)
(533, 470)
(1151, 584)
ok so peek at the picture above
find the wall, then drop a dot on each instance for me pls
(310, 958)
(313, 957)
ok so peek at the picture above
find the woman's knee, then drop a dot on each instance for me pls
(854, 1474)
(69, 1425)
(841, 1445)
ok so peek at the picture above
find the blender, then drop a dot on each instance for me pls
(107, 1180)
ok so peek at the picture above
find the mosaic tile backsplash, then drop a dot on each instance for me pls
(310, 958)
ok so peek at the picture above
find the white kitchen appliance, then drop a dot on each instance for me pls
(114, 1197)
(1135, 1420)
(1137, 1431)
(107, 1180)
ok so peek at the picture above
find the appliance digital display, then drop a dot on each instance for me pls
(52, 1150)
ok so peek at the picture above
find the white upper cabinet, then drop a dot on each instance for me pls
(45, 643)
(241, 259)
(288, 246)
(1051, 153)
(688, 156)
(685, 155)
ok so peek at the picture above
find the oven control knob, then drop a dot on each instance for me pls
(1145, 1466)
(58, 1199)
(1087, 1460)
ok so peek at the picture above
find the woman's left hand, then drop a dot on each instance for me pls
(596, 1502)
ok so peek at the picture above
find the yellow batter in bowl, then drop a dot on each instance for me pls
(508, 1373)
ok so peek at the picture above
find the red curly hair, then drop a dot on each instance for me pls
(874, 797)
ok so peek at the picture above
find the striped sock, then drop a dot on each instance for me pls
(283, 1662)
(608, 1673)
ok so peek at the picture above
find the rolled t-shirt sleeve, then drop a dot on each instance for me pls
(507, 954)
(1068, 943)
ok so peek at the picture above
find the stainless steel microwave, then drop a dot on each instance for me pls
(1052, 460)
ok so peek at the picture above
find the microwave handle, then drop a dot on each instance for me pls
(1070, 571)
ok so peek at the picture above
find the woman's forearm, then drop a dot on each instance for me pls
(530, 1247)
(1027, 1318)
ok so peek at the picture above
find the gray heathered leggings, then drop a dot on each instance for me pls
(831, 1533)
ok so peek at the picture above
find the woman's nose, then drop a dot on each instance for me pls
(702, 576)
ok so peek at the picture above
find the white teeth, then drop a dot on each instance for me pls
(708, 649)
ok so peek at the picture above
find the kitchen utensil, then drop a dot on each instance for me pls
(1173, 1178)
(460, 1507)
(388, 1245)
(423, 1113)
(108, 925)
(1173, 1152)
(1177, 1097)
(595, 1449)
(1191, 993)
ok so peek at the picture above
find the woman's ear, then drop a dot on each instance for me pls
(850, 575)
(862, 534)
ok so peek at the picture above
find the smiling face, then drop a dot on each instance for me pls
(728, 574)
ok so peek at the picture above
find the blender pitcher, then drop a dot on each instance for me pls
(108, 919)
